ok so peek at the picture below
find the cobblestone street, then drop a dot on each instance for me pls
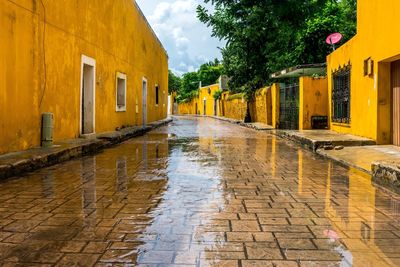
(199, 192)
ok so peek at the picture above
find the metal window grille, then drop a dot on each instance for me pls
(341, 96)
(289, 106)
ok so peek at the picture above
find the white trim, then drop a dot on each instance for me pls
(120, 76)
(144, 101)
(85, 60)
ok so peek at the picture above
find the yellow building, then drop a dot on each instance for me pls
(364, 76)
(301, 103)
(96, 65)
(208, 105)
(205, 104)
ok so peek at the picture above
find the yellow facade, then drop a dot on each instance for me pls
(261, 106)
(377, 39)
(265, 107)
(234, 106)
(313, 100)
(188, 108)
(41, 52)
(207, 104)
(275, 96)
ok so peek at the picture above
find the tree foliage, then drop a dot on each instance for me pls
(210, 72)
(264, 36)
(207, 74)
(174, 82)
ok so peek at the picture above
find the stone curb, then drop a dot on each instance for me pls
(51, 157)
(387, 174)
(314, 145)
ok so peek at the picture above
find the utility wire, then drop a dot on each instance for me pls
(44, 54)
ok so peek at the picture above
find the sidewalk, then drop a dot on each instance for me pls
(382, 162)
(315, 139)
(16, 163)
(253, 125)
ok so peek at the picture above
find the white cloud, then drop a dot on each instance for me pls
(187, 40)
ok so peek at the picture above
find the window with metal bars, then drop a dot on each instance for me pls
(341, 95)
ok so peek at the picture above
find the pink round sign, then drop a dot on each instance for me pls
(334, 38)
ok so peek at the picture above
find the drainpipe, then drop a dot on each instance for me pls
(47, 130)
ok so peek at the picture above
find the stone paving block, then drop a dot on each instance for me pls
(296, 243)
(310, 255)
(263, 251)
(245, 226)
(270, 263)
(165, 257)
(219, 263)
(223, 255)
(78, 260)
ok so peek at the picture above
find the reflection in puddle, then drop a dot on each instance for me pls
(199, 193)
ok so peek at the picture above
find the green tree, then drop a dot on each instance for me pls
(333, 17)
(210, 72)
(174, 82)
(207, 74)
(189, 85)
(264, 36)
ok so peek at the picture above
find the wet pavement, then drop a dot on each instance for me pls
(199, 192)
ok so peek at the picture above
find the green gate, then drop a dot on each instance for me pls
(289, 107)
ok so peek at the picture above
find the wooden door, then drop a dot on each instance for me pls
(396, 103)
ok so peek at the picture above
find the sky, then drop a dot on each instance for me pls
(187, 40)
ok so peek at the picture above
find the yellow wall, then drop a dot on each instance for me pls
(188, 108)
(261, 106)
(377, 38)
(40, 68)
(313, 100)
(235, 108)
(207, 94)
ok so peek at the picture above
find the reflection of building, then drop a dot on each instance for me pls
(89, 199)
(358, 224)
(96, 65)
(360, 217)
(364, 76)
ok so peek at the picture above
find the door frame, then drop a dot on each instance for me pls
(85, 60)
(393, 141)
(144, 100)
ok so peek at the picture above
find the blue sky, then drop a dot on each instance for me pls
(187, 40)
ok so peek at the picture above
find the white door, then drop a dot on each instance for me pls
(88, 96)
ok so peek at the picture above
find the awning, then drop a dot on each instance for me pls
(300, 70)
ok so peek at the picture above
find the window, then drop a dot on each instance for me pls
(368, 67)
(341, 95)
(157, 95)
(121, 92)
